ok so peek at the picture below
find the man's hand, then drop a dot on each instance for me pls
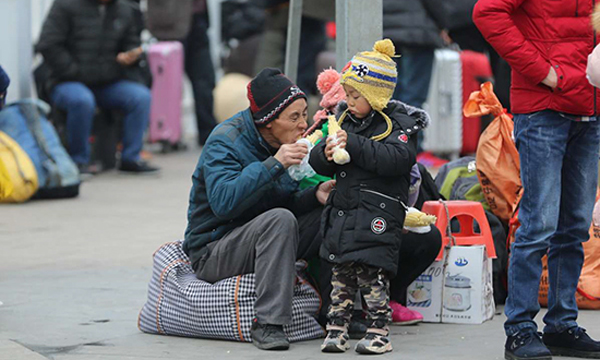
(291, 154)
(324, 190)
(128, 58)
(446, 37)
(551, 80)
(342, 138)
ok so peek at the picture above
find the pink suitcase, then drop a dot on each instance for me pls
(166, 65)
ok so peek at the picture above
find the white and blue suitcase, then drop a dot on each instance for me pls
(444, 105)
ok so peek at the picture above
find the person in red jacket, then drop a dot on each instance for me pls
(558, 135)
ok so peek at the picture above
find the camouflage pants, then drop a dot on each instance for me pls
(347, 278)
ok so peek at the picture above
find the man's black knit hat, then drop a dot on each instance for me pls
(270, 92)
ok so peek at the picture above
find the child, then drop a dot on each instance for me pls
(328, 83)
(593, 65)
(363, 218)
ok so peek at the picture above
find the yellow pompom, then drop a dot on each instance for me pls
(385, 46)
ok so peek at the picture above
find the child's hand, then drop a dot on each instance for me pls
(338, 140)
(331, 144)
(342, 138)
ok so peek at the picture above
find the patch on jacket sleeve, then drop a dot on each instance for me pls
(378, 225)
(403, 138)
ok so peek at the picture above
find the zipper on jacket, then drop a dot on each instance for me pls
(593, 46)
(577, 8)
(383, 196)
(380, 194)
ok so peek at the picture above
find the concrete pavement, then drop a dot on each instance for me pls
(73, 277)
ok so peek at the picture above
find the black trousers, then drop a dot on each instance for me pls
(268, 246)
(199, 68)
(417, 252)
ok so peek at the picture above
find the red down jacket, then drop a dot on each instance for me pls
(532, 35)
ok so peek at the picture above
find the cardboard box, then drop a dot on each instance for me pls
(425, 293)
(468, 295)
(462, 293)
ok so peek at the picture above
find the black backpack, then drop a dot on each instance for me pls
(428, 190)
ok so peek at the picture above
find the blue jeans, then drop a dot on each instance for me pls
(414, 75)
(79, 102)
(559, 171)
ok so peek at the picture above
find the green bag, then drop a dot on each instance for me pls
(315, 180)
(457, 180)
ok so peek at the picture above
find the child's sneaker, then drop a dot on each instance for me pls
(377, 341)
(336, 340)
(402, 315)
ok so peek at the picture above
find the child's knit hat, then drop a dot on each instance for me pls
(373, 74)
(328, 83)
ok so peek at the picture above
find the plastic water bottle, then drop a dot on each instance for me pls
(303, 170)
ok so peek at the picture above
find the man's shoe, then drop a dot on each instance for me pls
(377, 341)
(574, 342)
(402, 315)
(137, 167)
(526, 345)
(336, 340)
(269, 337)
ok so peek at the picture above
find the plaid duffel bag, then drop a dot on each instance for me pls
(181, 304)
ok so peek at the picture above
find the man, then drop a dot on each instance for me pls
(557, 134)
(187, 21)
(88, 45)
(271, 50)
(246, 214)
(415, 28)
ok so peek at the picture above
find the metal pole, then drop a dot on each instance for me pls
(359, 25)
(292, 48)
(25, 49)
(214, 35)
(16, 45)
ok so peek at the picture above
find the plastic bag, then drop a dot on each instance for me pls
(588, 286)
(299, 172)
(497, 158)
(340, 155)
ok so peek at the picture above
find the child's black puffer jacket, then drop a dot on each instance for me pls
(363, 218)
